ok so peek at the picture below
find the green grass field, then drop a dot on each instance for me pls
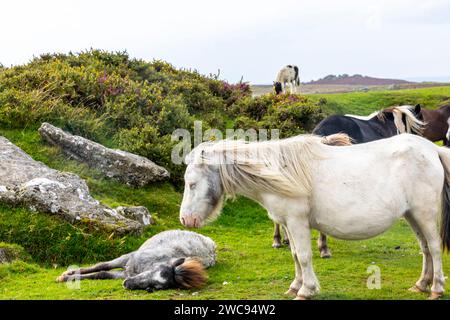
(247, 266)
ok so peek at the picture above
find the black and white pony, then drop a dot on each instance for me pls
(288, 75)
(170, 259)
(378, 125)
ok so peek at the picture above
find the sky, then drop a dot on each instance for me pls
(407, 39)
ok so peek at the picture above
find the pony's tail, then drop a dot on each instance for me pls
(444, 155)
(189, 273)
(297, 78)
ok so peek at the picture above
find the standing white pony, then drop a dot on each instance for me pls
(349, 192)
(288, 75)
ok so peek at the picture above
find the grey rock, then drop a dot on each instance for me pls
(123, 166)
(139, 214)
(11, 252)
(24, 181)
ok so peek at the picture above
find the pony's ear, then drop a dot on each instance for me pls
(417, 108)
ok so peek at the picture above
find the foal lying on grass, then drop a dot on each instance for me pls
(170, 259)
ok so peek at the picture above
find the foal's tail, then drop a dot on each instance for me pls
(189, 273)
(444, 155)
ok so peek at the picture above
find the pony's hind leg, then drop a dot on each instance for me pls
(426, 222)
(102, 275)
(426, 277)
(323, 246)
(102, 266)
(285, 236)
(276, 236)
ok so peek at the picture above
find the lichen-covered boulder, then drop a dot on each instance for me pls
(24, 181)
(123, 166)
(11, 252)
(138, 213)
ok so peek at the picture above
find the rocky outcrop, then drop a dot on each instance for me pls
(24, 181)
(11, 252)
(123, 166)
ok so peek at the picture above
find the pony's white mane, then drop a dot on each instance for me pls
(278, 166)
(370, 116)
(413, 125)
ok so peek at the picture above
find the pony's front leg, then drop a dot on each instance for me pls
(300, 233)
(294, 86)
(291, 87)
(298, 281)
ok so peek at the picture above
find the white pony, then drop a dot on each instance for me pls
(349, 192)
(288, 75)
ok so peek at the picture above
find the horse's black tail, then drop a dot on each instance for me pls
(444, 155)
(297, 78)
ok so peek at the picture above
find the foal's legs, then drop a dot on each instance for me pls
(428, 227)
(276, 236)
(323, 246)
(427, 263)
(102, 266)
(300, 236)
(102, 275)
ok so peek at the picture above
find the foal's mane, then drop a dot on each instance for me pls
(276, 166)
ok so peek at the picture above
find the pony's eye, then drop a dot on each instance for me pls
(192, 186)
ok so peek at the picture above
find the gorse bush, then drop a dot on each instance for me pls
(136, 105)
(291, 114)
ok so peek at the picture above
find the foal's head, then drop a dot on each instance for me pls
(278, 87)
(179, 273)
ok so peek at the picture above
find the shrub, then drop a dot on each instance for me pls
(291, 114)
(136, 105)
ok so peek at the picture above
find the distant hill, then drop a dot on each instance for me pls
(356, 79)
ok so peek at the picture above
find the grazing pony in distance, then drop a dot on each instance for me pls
(378, 125)
(437, 124)
(170, 259)
(349, 192)
(288, 75)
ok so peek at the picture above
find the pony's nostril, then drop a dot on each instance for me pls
(182, 221)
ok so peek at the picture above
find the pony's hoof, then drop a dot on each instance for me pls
(435, 295)
(416, 289)
(301, 298)
(325, 255)
(291, 292)
(276, 245)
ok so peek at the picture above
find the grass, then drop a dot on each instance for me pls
(363, 103)
(247, 266)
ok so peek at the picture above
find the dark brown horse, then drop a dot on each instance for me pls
(436, 124)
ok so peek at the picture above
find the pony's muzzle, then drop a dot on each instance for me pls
(191, 221)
